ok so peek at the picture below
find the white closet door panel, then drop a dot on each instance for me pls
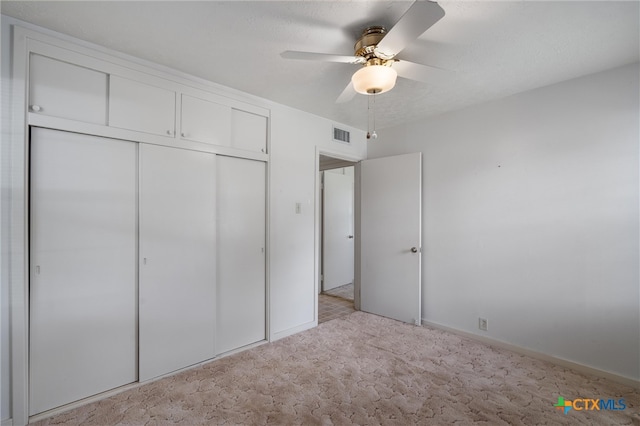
(177, 249)
(139, 106)
(241, 258)
(63, 90)
(248, 131)
(205, 121)
(83, 267)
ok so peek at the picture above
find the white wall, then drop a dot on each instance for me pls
(531, 218)
(295, 137)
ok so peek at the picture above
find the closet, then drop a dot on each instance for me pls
(241, 302)
(83, 266)
(147, 226)
(178, 252)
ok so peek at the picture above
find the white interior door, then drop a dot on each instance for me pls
(337, 230)
(83, 267)
(390, 235)
(178, 257)
(241, 253)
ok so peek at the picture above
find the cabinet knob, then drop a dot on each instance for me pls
(182, 134)
(36, 108)
(169, 132)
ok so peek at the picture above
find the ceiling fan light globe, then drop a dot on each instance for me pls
(374, 79)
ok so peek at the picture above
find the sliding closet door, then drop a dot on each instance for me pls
(178, 254)
(241, 258)
(83, 267)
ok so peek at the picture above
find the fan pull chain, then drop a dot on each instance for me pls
(368, 117)
(371, 112)
(374, 135)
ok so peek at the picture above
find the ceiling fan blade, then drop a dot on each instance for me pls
(419, 18)
(326, 57)
(418, 72)
(347, 94)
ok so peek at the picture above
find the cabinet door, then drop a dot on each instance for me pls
(205, 121)
(83, 267)
(63, 90)
(248, 131)
(241, 257)
(178, 255)
(139, 106)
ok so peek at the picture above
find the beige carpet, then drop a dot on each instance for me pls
(367, 370)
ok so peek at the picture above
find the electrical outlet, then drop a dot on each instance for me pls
(483, 324)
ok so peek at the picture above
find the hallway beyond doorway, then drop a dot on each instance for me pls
(335, 303)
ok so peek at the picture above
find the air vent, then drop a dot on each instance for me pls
(341, 135)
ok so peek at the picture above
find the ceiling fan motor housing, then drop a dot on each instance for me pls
(368, 41)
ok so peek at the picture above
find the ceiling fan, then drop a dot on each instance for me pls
(377, 49)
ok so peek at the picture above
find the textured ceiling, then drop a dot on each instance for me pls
(491, 49)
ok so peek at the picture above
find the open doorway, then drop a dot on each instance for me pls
(336, 239)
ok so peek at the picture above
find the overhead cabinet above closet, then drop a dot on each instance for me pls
(63, 90)
(141, 107)
(248, 131)
(205, 121)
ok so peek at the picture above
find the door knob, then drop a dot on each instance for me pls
(414, 249)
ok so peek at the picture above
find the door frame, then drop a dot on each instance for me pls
(318, 222)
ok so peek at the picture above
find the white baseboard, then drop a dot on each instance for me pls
(539, 355)
(288, 332)
(7, 422)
